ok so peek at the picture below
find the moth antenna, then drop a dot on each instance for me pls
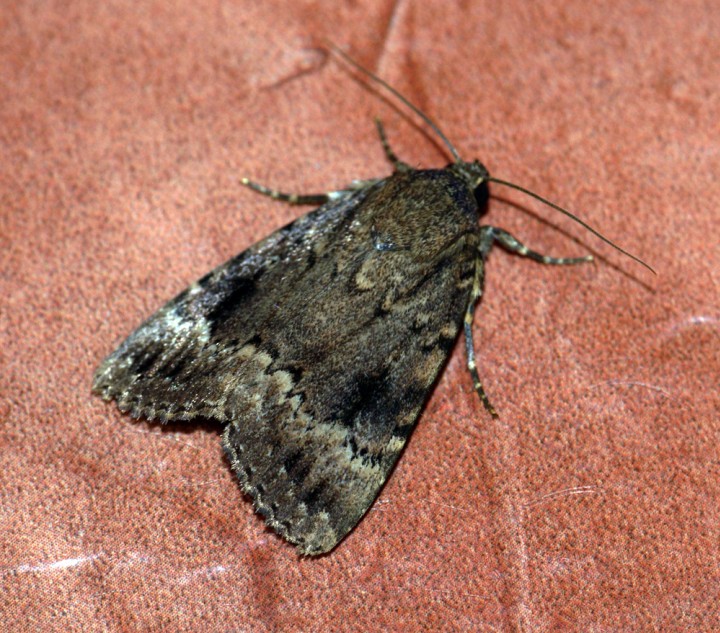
(456, 156)
(431, 124)
(572, 216)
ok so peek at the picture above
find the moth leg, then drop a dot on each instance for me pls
(475, 294)
(488, 236)
(322, 198)
(290, 198)
(311, 198)
(391, 156)
(515, 246)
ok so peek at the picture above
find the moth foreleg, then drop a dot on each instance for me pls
(311, 198)
(488, 236)
(391, 156)
(506, 240)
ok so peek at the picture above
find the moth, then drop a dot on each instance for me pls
(317, 347)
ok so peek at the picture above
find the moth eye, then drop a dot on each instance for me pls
(482, 193)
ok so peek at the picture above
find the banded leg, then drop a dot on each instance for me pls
(512, 244)
(488, 236)
(294, 198)
(322, 198)
(475, 294)
(312, 198)
(391, 156)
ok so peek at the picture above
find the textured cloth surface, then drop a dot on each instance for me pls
(590, 504)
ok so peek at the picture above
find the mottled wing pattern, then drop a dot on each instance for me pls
(180, 363)
(318, 346)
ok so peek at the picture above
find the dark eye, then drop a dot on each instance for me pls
(482, 193)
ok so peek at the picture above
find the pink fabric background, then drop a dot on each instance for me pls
(591, 504)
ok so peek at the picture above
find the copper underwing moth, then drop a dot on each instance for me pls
(317, 347)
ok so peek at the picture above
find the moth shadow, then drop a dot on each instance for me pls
(564, 232)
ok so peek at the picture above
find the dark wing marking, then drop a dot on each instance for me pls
(313, 446)
(179, 363)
